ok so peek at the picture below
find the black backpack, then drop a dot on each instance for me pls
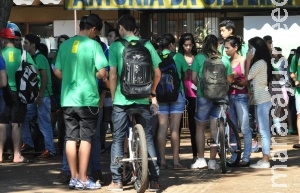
(168, 87)
(214, 84)
(136, 75)
(27, 82)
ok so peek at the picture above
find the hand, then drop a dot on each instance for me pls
(39, 100)
(153, 108)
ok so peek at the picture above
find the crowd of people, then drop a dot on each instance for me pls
(92, 100)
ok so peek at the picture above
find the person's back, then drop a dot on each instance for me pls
(79, 62)
(127, 26)
(80, 67)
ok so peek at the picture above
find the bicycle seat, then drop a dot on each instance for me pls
(134, 111)
(221, 102)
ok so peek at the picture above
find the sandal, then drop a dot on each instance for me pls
(179, 167)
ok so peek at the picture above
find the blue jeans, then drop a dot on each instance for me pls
(239, 112)
(120, 124)
(95, 157)
(262, 118)
(44, 122)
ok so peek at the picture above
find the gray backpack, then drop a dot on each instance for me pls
(214, 84)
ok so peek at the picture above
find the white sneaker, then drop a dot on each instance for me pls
(260, 164)
(212, 165)
(199, 163)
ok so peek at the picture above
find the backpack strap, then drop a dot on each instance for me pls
(123, 41)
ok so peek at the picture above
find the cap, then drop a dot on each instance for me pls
(95, 21)
(7, 33)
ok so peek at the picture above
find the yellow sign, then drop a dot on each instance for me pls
(177, 4)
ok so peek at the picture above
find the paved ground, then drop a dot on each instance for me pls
(283, 177)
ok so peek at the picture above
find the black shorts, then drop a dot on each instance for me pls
(15, 113)
(81, 123)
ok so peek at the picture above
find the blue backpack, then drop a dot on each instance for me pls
(167, 90)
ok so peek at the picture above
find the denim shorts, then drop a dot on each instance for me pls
(81, 123)
(297, 100)
(205, 109)
(172, 108)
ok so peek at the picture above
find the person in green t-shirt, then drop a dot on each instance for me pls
(227, 28)
(205, 109)
(42, 105)
(13, 114)
(295, 75)
(127, 27)
(79, 62)
(170, 113)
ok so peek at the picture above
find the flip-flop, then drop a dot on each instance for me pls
(25, 160)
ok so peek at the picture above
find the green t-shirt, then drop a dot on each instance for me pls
(294, 68)
(197, 66)
(12, 57)
(115, 60)
(43, 64)
(79, 58)
(180, 63)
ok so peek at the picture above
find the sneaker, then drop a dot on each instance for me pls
(72, 183)
(260, 164)
(26, 148)
(118, 186)
(212, 165)
(153, 186)
(199, 163)
(46, 155)
(88, 184)
(62, 178)
(255, 147)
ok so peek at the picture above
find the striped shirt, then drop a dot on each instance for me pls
(259, 82)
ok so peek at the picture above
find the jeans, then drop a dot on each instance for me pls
(95, 157)
(239, 112)
(120, 124)
(262, 118)
(44, 122)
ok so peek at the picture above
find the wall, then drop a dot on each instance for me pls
(284, 38)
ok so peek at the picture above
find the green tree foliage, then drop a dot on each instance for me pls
(5, 8)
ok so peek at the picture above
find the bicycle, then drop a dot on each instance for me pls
(227, 140)
(137, 169)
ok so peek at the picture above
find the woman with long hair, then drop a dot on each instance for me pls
(187, 47)
(260, 75)
(238, 95)
(205, 109)
(170, 113)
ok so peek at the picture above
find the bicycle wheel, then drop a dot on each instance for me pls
(222, 147)
(139, 147)
(234, 146)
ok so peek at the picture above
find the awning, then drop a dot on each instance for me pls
(38, 2)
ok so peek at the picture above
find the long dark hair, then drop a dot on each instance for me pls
(210, 47)
(234, 42)
(186, 37)
(262, 53)
(297, 55)
(165, 40)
